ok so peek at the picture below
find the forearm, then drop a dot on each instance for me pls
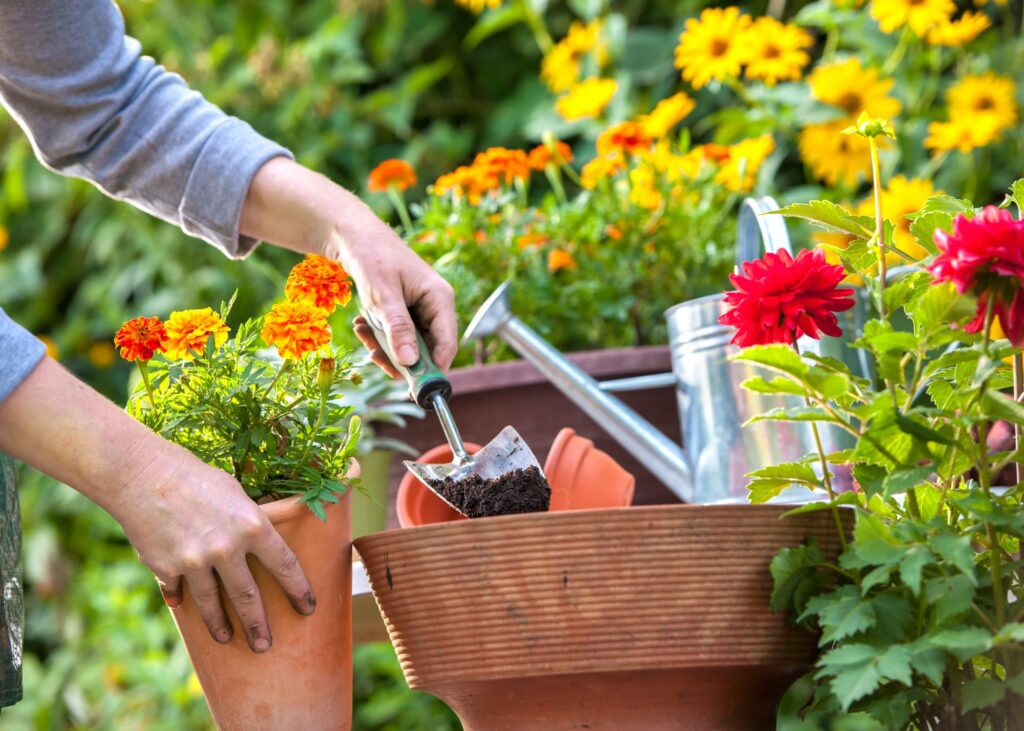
(58, 424)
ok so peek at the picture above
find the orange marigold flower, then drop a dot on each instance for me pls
(557, 153)
(614, 232)
(319, 281)
(560, 259)
(189, 330)
(600, 168)
(468, 182)
(140, 338)
(531, 239)
(507, 165)
(392, 173)
(627, 137)
(296, 328)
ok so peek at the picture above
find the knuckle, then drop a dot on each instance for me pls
(246, 595)
(289, 564)
(252, 526)
(189, 561)
(398, 323)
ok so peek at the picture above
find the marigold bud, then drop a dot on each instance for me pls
(325, 376)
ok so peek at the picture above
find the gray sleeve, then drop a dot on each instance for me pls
(95, 108)
(20, 353)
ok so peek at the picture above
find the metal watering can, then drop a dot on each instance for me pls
(718, 451)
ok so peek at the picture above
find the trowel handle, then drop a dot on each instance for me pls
(424, 378)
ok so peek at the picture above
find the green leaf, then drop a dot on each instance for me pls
(895, 664)
(1017, 193)
(913, 427)
(880, 337)
(761, 491)
(963, 643)
(912, 564)
(827, 384)
(901, 480)
(874, 544)
(854, 671)
(494, 22)
(791, 568)
(831, 217)
(787, 470)
(951, 596)
(982, 693)
(1010, 633)
(957, 550)
(779, 358)
(758, 384)
(1002, 406)
(928, 661)
(843, 613)
(846, 498)
(796, 413)
(939, 306)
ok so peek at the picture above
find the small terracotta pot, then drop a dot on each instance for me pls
(582, 476)
(305, 680)
(416, 504)
(651, 618)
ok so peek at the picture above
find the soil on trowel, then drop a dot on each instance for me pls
(518, 491)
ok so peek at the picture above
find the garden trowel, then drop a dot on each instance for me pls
(504, 456)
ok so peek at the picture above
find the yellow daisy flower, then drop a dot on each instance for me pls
(739, 172)
(854, 89)
(961, 133)
(920, 15)
(988, 95)
(833, 156)
(666, 115)
(776, 51)
(712, 47)
(586, 99)
(959, 32)
(560, 68)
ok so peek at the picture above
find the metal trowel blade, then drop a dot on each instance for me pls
(505, 453)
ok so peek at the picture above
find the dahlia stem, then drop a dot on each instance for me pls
(1018, 388)
(144, 370)
(879, 224)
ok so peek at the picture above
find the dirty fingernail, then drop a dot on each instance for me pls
(261, 644)
(223, 636)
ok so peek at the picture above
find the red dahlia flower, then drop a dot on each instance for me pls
(985, 255)
(781, 299)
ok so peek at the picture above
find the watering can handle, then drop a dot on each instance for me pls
(756, 229)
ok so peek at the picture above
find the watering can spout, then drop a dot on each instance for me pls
(664, 458)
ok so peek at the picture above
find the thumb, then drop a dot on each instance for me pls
(401, 335)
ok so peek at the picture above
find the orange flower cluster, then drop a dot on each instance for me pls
(626, 137)
(319, 281)
(188, 332)
(140, 338)
(397, 174)
(504, 164)
(560, 259)
(296, 328)
(558, 153)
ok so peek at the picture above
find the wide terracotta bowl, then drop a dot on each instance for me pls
(647, 618)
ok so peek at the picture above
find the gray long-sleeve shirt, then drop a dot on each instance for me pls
(95, 108)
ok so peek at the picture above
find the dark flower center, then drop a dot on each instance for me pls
(719, 47)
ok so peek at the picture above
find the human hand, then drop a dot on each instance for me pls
(197, 524)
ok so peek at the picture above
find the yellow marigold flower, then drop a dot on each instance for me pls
(961, 133)
(189, 330)
(643, 188)
(988, 96)
(502, 163)
(295, 328)
(711, 47)
(560, 68)
(586, 99)
(599, 169)
(854, 89)
(319, 281)
(672, 166)
(51, 346)
(775, 51)
(101, 354)
(560, 259)
(628, 138)
(478, 6)
(833, 156)
(4, 238)
(666, 115)
(920, 15)
(959, 32)
(745, 158)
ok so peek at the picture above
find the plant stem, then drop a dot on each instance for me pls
(399, 203)
(537, 26)
(285, 365)
(144, 370)
(1018, 387)
(879, 225)
(312, 438)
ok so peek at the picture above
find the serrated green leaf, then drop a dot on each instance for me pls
(854, 671)
(911, 566)
(828, 385)
(901, 480)
(790, 568)
(758, 384)
(874, 543)
(830, 217)
(1012, 632)
(846, 498)
(939, 306)
(1002, 406)
(796, 413)
(894, 664)
(957, 550)
(982, 693)
(761, 491)
(788, 471)
(908, 424)
(962, 643)
(841, 614)
(1017, 193)
(951, 596)
(779, 358)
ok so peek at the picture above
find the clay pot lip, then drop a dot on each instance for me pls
(291, 507)
(511, 523)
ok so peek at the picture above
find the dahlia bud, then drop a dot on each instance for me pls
(868, 126)
(325, 376)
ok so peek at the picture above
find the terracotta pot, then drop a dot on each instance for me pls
(305, 680)
(417, 505)
(490, 397)
(582, 476)
(649, 618)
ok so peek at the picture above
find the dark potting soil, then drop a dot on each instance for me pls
(518, 491)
